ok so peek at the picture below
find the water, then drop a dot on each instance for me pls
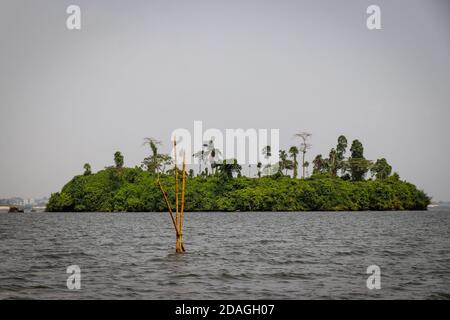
(229, 255)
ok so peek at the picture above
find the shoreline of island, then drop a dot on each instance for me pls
(135, 190)
(337, 183)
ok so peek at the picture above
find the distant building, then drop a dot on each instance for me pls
(9, 208)
(24, 203)
(4, 209)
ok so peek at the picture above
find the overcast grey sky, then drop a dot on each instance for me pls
(144, 68)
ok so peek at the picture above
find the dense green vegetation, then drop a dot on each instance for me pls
(337, 184)
(131, 189)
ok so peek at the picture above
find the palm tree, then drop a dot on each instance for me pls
(212, 154)
(87, 169)
(153, 143)
(284, 163)
(267, 152)
(155, 162)
(293, 151)
(229, 167)
(319, 163)
(306, 165)
(304, 147)
(200, 155)
(259, 165)
(283, 158)
(269, 169)
(164, 161)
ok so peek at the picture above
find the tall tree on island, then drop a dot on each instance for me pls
(201, 156)
(319, 164)
(304, 147)
(118, 159)
(155, 162)
(358, 165)
(259, 165)
(228, 167)
(213, 155)
(284, 163)
(381, 169)
(306, 165)
(87, 169)
(341, 149)
(267, 152)
(333, 162)
(293, 151)
(269, 169)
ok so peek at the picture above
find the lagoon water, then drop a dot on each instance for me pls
(311, 255)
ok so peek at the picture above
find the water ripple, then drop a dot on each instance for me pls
(229, 255)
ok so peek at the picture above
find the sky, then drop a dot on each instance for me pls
(140, 69)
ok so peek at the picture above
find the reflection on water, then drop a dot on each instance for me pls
(229, 255)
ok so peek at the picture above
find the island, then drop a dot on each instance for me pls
(337, 183)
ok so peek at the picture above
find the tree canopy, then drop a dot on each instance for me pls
(338, 182)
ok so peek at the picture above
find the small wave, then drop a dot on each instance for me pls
(440, 295)
(287, 275)
(344, 253)
(62, 255)
(187, 275)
